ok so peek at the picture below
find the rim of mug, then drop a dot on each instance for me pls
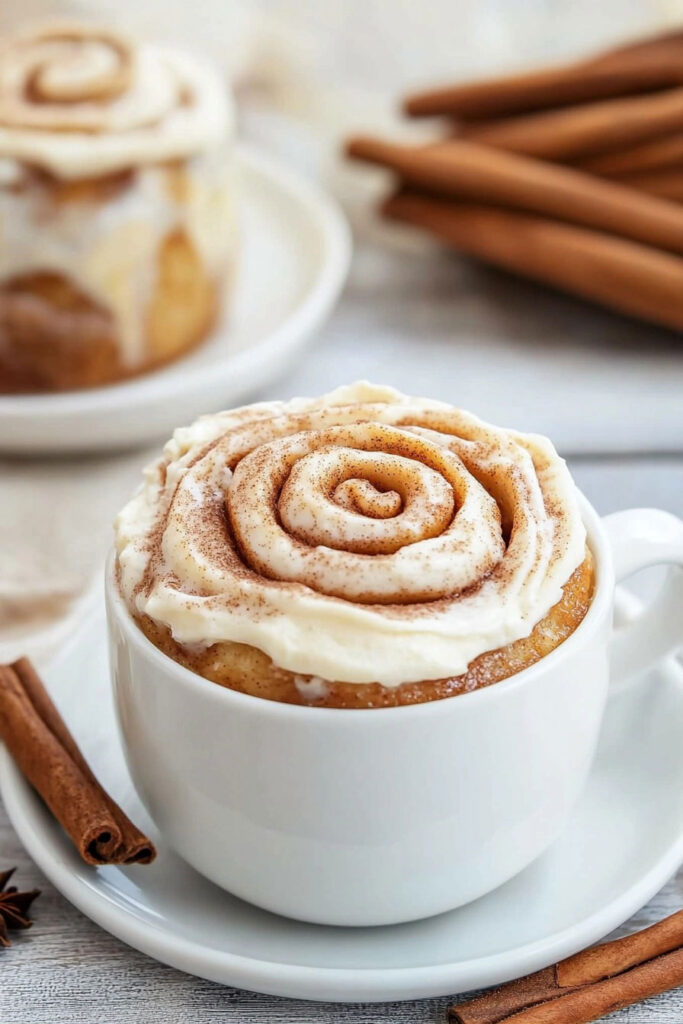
(206, 688)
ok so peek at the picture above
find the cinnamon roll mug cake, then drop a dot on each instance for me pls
(360, 550)
(117, 213)
(289, 574)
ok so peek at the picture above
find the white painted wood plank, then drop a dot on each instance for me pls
(510, 351)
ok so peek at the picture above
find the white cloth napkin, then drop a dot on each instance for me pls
(55, 524)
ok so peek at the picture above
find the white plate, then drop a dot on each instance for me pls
(295, 251)
(624, 841)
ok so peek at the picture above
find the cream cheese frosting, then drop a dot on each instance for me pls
(365, 536)
(81, 101)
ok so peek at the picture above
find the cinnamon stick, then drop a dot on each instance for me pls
(666, 184)
(620, 274)
(466, 170)
(47, 754)
(641, 66)
(135, 847)
(73, 800)
(585, 130)
(589, 984)
(598, 962)
(650, 156)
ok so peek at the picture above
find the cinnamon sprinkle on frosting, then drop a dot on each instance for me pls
(364, 536)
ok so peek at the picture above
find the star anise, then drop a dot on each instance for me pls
(14, 906)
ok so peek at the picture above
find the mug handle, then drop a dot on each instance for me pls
(641, 538)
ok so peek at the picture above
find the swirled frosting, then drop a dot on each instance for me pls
(82, 101)
(364, 536)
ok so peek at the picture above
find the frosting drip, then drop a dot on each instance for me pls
(108, 246)
(362, 537)
(80, 101)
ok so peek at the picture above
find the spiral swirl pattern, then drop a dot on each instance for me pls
(81, 100)
(362, 537)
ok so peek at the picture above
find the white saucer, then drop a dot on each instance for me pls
(295, 252)
(624, 841)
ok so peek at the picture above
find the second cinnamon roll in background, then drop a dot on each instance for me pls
(117, 206)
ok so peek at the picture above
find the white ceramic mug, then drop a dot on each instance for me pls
(366, 817)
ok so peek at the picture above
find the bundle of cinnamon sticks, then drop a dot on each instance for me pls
(572, 176)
